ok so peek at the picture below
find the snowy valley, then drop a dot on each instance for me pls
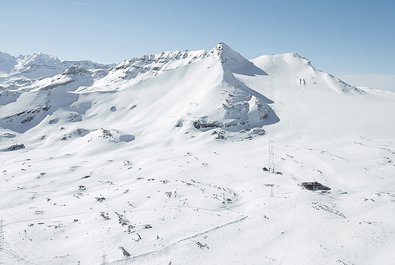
(194, 157)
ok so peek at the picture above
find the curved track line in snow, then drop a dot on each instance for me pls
(159, 251)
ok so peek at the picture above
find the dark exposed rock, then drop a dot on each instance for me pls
(124, 252)
(314, 185)
(15, 147)
(202, 124)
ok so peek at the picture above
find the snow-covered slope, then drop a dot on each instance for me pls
(293, 69)
(193, 157)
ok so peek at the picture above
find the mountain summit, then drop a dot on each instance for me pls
(234, 61)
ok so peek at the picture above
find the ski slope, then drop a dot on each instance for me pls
(163, 159)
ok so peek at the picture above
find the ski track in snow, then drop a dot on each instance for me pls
(164, 249)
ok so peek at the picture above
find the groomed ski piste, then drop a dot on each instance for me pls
(194, 157)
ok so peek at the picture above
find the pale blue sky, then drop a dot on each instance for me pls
(354, 38)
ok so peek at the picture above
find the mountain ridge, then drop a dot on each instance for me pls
(131, 68)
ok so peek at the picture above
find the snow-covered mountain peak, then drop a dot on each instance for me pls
(4, 55)
(38, 65)
(223, 52)
(234, 61)
(296, 57)
(39, 59)
(294, 70)
(141, 68)
(7, 62)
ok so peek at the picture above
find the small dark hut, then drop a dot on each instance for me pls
(314, 185)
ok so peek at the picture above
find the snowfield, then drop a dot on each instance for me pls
(193, 157)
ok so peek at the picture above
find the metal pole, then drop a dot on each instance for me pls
(271, 189)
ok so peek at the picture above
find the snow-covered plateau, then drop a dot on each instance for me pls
(194, 157)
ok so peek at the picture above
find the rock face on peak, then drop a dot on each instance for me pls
(76, 70)
(144, 67)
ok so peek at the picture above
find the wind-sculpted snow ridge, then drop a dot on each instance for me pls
(195, 157)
